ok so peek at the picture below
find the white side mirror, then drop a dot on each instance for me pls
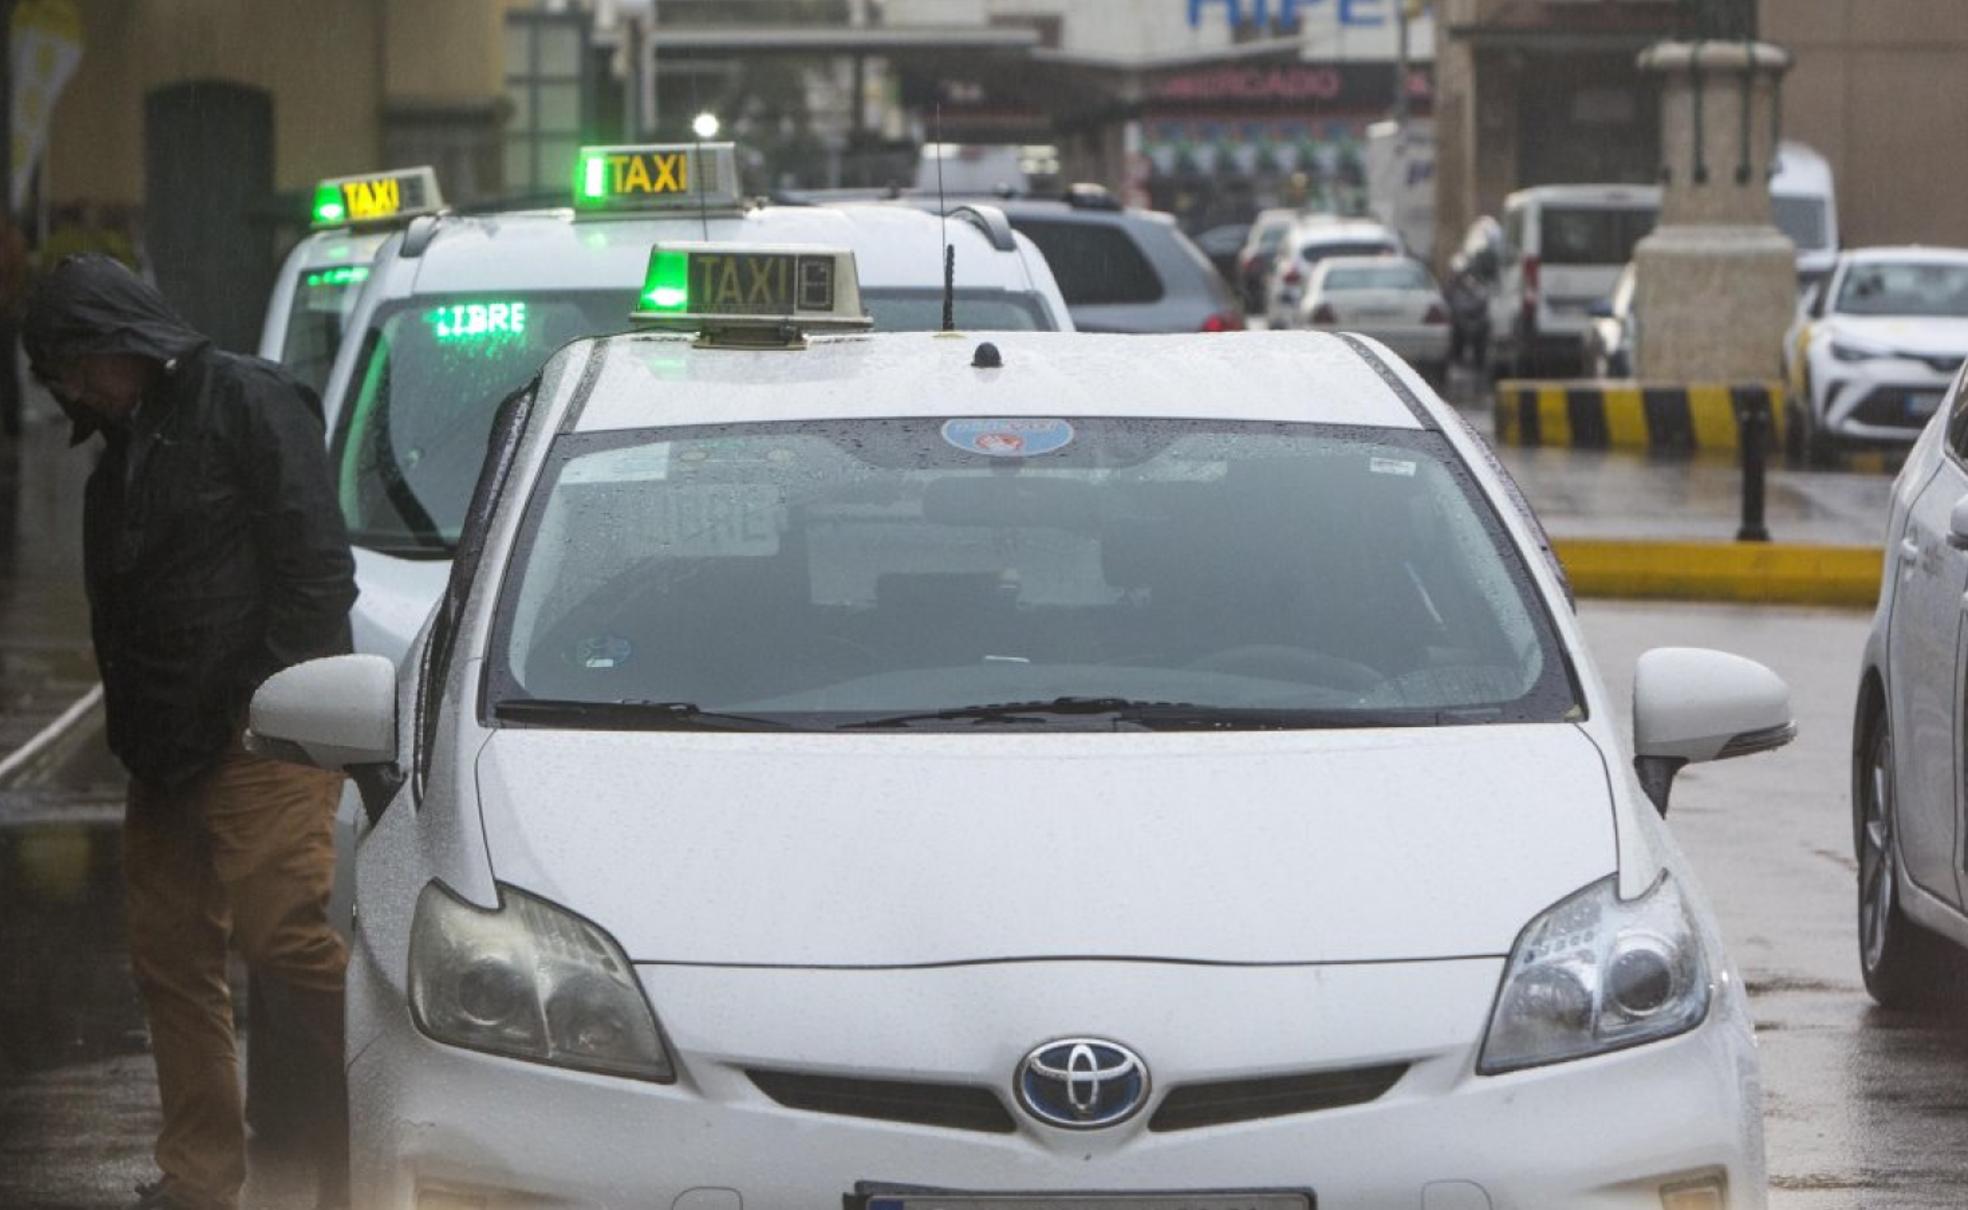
(1691, 704)
(337, 713)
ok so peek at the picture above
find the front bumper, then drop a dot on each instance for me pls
(1590, 1135)
(1884, 401)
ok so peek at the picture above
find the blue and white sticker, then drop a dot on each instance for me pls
(1008, 438)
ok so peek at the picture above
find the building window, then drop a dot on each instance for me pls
(548, 90)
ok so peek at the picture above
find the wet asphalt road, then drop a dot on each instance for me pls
(1866, 1108)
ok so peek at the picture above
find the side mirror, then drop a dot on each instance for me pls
(1691, 704)
(337, 713)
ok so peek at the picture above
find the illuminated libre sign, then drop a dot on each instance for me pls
(376, 197)
(656, 175)
(478, 321)
(339, 275)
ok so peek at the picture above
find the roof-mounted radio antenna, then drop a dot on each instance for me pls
(943, 209)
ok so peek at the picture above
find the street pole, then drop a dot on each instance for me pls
(1401, 67)
(10, 394)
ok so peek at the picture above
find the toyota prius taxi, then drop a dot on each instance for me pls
(911, 770)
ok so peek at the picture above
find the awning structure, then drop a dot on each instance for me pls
(837, 40)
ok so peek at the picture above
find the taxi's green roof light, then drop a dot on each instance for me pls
(656, 176)
(376, 197)
(667, 287)
(328, 208)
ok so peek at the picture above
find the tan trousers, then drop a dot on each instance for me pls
(245, 851)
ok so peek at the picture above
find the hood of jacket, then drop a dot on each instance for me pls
(93, 304)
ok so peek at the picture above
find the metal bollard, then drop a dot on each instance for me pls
(1753, 426)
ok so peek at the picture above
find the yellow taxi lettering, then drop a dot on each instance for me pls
(618, 166)
(672, 173)
(638, 177)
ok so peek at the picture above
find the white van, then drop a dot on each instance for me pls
(1563, 249)
(1804, 206)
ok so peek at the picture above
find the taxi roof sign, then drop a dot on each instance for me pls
(376, 197)
(646, 176)
(751, 293)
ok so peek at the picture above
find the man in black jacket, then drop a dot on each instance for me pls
(215, 556)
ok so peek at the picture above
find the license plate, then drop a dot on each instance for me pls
(1091, 1201)
(1921, 404)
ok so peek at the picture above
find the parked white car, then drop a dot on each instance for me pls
(1873, 349)
(1392, 299)
(1564, 247)
(1907, 763)
(911, 772)
(1313, 238)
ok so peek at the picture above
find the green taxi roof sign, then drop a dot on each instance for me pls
(376, 197)
(648, 176)
(751, 293)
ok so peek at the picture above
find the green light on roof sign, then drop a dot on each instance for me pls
(328, 208)
(479, 321)
(667, 287)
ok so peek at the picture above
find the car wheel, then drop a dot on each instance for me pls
(1904, 965)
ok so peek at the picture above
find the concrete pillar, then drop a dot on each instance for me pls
(1717, 283)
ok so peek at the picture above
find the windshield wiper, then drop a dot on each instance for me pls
(1118, 709)
(630, 714)
(403, 546)
(1160, 716)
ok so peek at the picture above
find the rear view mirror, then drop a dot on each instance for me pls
(1691, 704)
(337, 713)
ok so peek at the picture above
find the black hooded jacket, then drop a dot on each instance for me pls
(213, 545)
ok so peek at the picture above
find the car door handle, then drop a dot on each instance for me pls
(1909, 553)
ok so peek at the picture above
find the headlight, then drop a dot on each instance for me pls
(531, 981)
(1594, 973)
(1845, 350)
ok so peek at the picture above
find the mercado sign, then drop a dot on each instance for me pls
(1342, 85)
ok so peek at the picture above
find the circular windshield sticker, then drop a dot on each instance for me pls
(1002, 438)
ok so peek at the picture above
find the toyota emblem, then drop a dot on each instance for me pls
(1082, 1083)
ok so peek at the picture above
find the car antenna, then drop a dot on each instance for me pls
(943, 210)
(697, 163)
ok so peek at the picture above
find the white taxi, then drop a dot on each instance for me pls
(322, 277)
(460, 310)
(1874, 347)
(1013, 772)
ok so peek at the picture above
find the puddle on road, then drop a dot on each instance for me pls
(65, 990)
(66, 995)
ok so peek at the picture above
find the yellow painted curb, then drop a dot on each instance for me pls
(1762, 572)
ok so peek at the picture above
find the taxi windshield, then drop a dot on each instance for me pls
(870, 573)
(323, 298)
(411, 435)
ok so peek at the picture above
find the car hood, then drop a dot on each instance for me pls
(1921, 335)
(909, 849)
